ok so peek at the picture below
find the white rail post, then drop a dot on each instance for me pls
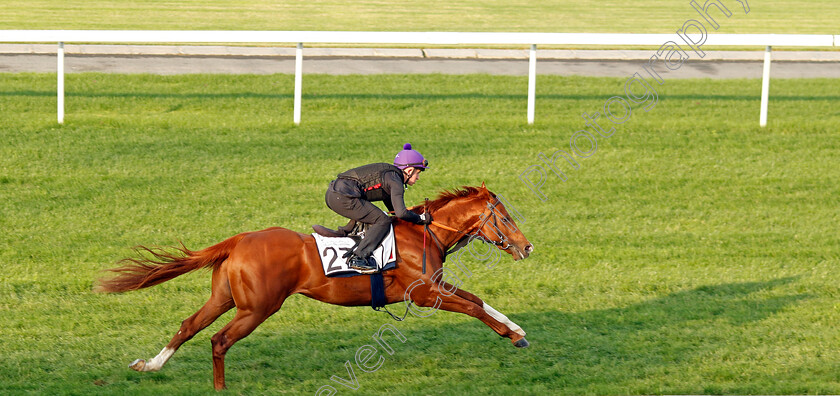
(532, 82)
(298, 81)
(60, 90)
(765, 89)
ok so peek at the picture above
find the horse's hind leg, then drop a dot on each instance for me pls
(243, 323)
(252, 308)
(220, 302)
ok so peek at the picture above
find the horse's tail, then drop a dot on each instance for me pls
(139, 273)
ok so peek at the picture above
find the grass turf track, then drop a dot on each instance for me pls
(692, 253)
(614, 16)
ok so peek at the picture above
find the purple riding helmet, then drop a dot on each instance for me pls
(410, 158)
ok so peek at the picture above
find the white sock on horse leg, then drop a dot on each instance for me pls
(158, 361)
(502, 318)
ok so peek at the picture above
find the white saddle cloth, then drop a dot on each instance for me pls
(331, 249)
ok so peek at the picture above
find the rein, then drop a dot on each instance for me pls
(446, 227)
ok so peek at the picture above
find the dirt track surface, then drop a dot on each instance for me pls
(167, 60)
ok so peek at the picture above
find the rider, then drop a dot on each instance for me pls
(350, 195)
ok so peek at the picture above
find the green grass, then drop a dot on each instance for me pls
(655, 16)
(692, 253)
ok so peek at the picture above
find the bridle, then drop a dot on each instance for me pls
(482, 221)
(477, 232)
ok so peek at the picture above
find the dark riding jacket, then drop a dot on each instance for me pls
(376, 182)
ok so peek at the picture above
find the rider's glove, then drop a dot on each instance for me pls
(425, 218)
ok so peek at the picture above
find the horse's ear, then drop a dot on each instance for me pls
(482, 185)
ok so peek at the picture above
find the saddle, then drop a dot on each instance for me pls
(352, 229)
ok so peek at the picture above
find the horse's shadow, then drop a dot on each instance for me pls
(617, 345)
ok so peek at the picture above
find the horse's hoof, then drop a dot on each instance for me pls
(137, 365)
(522, 343)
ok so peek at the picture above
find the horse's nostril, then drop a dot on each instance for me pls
(529, 248)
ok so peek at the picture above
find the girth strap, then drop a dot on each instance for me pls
(377, 291)
(378, 301)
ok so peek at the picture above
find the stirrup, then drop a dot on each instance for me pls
(363, 265)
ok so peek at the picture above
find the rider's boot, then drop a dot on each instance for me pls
(364, 265)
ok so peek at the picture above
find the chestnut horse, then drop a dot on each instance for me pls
(256, 271)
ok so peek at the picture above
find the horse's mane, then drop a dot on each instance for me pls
(447, 196)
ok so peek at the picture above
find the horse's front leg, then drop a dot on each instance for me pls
(445, 296)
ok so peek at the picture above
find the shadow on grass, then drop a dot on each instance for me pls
(615, 346)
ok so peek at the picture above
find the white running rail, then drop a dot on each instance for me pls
(298, 38)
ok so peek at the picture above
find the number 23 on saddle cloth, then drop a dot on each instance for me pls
(331, 250)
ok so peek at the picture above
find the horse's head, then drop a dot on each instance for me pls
(498, 228)
(477, 212)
